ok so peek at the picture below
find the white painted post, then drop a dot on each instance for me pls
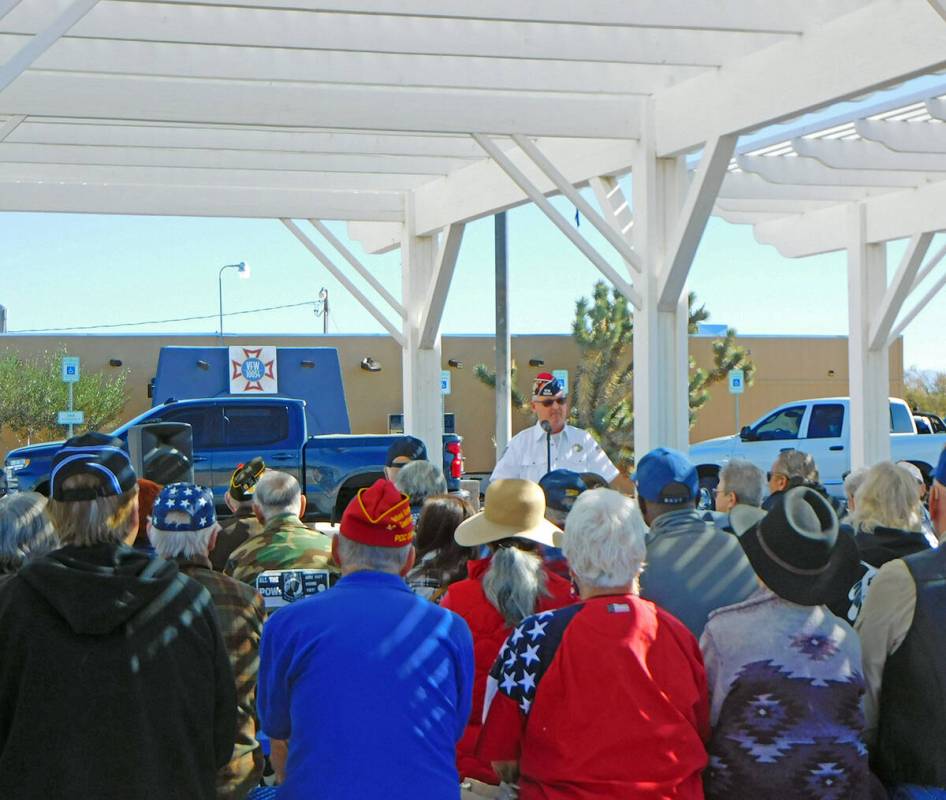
(868, 369)
(661, 386)
(423, 409)
(503, 339)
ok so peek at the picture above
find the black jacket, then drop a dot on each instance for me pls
(114, 680)
(881, 545)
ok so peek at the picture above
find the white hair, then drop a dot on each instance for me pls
(277, 493)
(514, 581)
(183, 544)
(353, 554)
(420, 480)
(604, 539)
(854, 480)
(25, 530)
(745, 479)
(887, 498)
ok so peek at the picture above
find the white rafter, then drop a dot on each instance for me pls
(342, 278)
(899, 289)
(443, 275)
(861, 155)
(903, 137)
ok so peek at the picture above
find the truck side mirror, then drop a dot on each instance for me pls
(746, 434)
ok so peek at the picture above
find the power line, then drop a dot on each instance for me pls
(163, 321)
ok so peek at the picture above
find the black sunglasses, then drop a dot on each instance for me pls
(549, 403)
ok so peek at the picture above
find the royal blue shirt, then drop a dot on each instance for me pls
(372, 684)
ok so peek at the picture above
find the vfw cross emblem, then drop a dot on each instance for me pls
(253, 369)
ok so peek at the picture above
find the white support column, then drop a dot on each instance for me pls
(421, 366)
(868, 368)
(440, 284)
(661, 381)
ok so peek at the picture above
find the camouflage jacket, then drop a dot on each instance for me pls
(241, 614)
(285, 543)
(233, 532)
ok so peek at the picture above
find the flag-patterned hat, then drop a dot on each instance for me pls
(546, 385)
(379, 516)
(196, 502)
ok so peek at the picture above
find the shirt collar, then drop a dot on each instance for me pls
(540, 434)
(369, 577)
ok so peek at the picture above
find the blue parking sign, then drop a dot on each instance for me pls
(737, 381)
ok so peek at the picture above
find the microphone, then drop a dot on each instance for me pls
(546, 426)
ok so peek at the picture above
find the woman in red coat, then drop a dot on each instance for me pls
(508, 585)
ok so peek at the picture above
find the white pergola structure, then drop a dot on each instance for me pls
(854, 183)
(409, 118)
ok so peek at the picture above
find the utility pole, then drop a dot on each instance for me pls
(323, 297)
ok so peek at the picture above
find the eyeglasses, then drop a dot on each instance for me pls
(549, 403)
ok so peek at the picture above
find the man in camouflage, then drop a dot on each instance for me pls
(243, 524)
(183, 528)
(284, 542)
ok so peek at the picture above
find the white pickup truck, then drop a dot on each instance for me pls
(820, 427)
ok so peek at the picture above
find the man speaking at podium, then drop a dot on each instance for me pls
(551, 444)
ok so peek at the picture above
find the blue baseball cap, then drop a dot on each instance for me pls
(561, 487)
(196, 502)
(664, 469)
(940, 472)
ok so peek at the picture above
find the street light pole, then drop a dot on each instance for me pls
(244, 271)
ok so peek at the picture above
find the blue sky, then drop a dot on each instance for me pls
(79, 270)
(74, 270)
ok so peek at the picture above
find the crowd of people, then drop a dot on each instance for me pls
(584, 635)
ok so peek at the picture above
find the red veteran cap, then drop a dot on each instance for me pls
(379, 516)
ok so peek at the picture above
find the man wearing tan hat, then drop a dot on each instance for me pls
(369, 683)
(551, 444)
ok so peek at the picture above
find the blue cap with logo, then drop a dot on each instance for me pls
(561, 487)
(187, 499)
(940, 472)
(666, 476)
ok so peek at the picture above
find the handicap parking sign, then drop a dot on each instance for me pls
(737, 381)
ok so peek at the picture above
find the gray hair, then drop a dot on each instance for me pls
(277, 493)
(25, 530)
(355, 555)
(797, 464)
(420, 480)
(745, 480)
(854, 480)
(184, 544)
(83, 523)
(604, 539)
(887, 498)
(514, 582)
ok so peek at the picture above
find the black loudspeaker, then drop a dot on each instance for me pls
(162, 452)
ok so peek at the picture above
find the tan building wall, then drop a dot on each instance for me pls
(788, 368)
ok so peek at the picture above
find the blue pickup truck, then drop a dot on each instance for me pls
(291, 434)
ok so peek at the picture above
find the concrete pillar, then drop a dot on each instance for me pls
(661, 382)
(423, 403)
(868, 369)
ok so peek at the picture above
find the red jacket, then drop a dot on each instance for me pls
(489, 631)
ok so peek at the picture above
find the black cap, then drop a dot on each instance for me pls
(409, 447)
(92, 454)
(244, 479)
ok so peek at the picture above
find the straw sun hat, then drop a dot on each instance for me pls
(512, 508)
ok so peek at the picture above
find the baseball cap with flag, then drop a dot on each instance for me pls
(546, 385)
(97, 455)
(379, 516)
(189, 500)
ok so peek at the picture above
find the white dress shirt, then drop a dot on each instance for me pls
(572, 448)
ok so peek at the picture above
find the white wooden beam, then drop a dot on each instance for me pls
(342, 278)
(42, 41)
(773, 205)
(928, 267)
(416, 109)
(360, 268)
(6, 6)
(727, 15)
(810, 172)
(534, 194)
(934, 290)
(316, 30)
(443, 275)
(609, 232)
(82, 197)
(482, 189)
(325, 67)
(788, 79)
(748, 186)
(691, 223)
(613, 203)
(376, 237)
(903, 137)
(858, 154)
(940, 7)
(10, 125)
(937, 108)
(746, 217)
(898, 290)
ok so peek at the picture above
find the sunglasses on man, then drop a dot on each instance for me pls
(549, 403)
